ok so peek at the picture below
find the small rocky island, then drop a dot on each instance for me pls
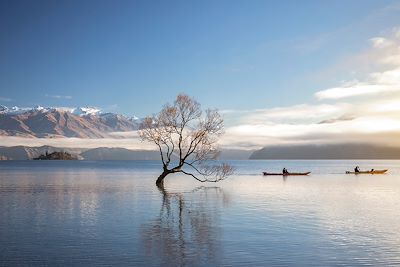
(56, 156)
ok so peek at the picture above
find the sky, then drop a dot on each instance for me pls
(280, 71)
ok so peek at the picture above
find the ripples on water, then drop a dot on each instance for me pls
(111, 213)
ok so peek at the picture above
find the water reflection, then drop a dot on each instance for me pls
(108, 216)
(187, 230)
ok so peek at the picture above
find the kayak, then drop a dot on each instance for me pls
(368, 172)
(287, 174)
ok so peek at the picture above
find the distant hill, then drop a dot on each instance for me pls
(106, 153)
(333, 151)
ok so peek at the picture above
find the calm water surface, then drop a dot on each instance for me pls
(111, 213)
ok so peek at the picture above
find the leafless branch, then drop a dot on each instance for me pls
(181, 129)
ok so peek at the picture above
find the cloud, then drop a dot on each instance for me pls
(133, 142)
(333, 120)
(321, 123)
(130, 134)
(365, 129)
(358, 89)
(366, 109)
(363, 109)
(377, 83)
(112, 107)
(297, 113)
(5, 99)
(384, 55)
(320, 41)
(59, 96)
(380, 42)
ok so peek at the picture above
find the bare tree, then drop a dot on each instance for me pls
(187, 140)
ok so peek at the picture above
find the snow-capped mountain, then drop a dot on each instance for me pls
(80, 111)
(83, 111)
(83, 122)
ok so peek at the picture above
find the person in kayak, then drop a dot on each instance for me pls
(357, 169)
(285, 171)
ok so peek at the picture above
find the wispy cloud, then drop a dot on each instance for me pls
(5, 99)
(377, 83)
(111, 108)
(293, 114)
(318, 42)
(385, 57)
(370, 112)
(365, 129)
(365, 109)
(59, 96)
(132, 142)
(358, 89)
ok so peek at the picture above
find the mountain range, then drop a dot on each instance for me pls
(62, 122)
(87, 122)
(332, 151)
(101, 153)
(327, 151)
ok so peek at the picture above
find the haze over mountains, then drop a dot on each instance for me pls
(26, 153)
(337, 151)
(91, 124)
(105, 153)
(331, 151)
(101, 153)
(62, 122)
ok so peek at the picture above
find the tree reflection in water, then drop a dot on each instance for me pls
(187, 230)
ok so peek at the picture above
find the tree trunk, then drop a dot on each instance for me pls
(160, 179)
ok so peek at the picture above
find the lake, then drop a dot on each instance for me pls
(82, 213)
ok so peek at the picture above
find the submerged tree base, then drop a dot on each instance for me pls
(160, 179)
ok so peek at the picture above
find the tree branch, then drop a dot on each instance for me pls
(194, 176)
(182, 127)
